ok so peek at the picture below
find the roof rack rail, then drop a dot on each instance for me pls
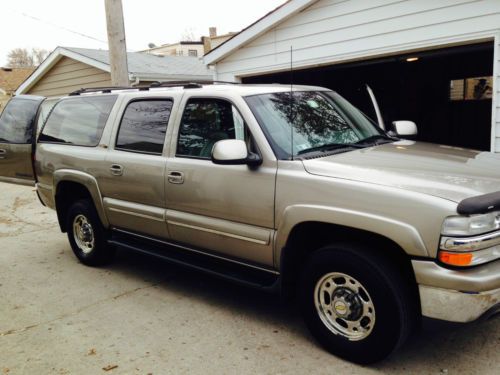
(157, 84)
(189, 84)
(105, 89)
(185, 84)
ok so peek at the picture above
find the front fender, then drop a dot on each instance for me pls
(86, 180)
(405, 235)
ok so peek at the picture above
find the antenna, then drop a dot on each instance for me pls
(291, 101)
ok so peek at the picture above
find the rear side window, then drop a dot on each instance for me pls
(17, 121)
(143, 126)
(44, 112)
(79, 121)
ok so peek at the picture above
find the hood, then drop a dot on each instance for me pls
(448, 172)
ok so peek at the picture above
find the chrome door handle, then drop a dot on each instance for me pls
(116, 170)
(176, 177)
(3, 153)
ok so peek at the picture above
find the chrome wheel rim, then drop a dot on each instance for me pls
(344, 306)
(83, 234)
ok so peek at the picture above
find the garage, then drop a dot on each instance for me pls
(446, 92)
(432, 62)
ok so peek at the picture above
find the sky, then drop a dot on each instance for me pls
(81, 23)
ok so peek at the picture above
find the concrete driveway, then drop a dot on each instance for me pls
(142, 316)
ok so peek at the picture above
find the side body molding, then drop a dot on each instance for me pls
(401, 233)
(86, 180)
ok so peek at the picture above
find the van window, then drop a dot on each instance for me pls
(79, 121)
(16, 121)
(143, 126)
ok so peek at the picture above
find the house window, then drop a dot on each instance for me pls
(477, 88)
(193, 52)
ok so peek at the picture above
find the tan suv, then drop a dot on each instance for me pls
(285, 191)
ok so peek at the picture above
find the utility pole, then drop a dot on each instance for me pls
(117, 43)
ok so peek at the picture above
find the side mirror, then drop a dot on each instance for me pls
(234, 152)
(405, 129)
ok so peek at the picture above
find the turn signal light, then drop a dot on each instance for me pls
(455, 259)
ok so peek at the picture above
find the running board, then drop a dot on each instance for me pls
(229, 269)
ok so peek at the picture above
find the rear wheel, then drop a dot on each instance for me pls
(356, 304)
(86, 234)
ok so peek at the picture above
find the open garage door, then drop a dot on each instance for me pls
(447, 91)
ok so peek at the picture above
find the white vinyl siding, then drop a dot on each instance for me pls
(334, 31)
(68, 75)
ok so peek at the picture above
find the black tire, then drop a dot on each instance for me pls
(100, 253)
(389, 292)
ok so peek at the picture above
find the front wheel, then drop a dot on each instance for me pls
(86, 234)
(356, 304)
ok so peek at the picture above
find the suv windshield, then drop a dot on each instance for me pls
(321, 121)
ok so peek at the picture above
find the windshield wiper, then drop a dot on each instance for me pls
(330, 147)
(359, 144)
(372, 139)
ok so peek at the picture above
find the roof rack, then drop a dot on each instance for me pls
(105, 89)
(189, 84)
(185, 84)
(157, 84)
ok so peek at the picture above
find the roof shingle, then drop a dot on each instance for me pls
(143, 64)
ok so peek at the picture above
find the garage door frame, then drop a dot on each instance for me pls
(460, 40)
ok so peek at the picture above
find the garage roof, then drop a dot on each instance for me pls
(256, 29)
(142, 66)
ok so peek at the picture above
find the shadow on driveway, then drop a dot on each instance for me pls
(470, 348)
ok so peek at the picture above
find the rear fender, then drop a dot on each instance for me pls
(89, 182)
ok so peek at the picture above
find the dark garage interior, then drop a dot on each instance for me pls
(446, 92)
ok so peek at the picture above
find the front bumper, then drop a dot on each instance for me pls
(458, 295)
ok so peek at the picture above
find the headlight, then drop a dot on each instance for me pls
(471, 225)
(470, 240)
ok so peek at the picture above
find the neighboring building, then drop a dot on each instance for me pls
(434, 62)
(213, 40)
(185, 48)
(69, 69)
(192, 48)
(10, 79)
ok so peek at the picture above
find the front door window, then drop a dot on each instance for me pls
(205, 122)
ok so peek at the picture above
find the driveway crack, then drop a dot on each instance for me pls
(76, 312)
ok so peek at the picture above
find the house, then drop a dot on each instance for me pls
(184, 48)
(10, 79)
(192, 48)
(213, 40)
(69, 69)
(435, 62)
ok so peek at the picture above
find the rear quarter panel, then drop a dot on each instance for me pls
(55, 162)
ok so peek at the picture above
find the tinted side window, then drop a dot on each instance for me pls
(205, 122)
(44, 112)
(79, 121)
(144, 125)
(17, 121)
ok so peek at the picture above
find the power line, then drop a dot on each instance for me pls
(58, 26)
